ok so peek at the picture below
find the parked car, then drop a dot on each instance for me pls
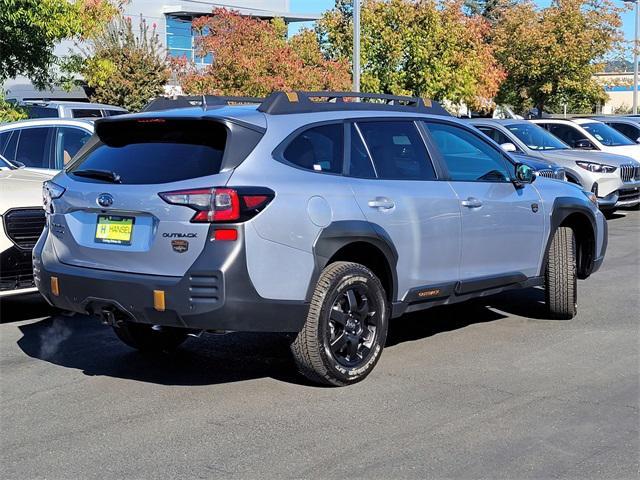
(615, 179)
(47, 144)
(588, 134)
(21, 223)
(305, 214)
(628, 126)
(66, 109)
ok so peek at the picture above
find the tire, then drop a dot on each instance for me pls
(144, 338)
(346, 327)
(561, 283)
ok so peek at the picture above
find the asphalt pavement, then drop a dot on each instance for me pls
(490, 389)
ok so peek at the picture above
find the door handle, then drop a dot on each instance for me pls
(381, 203)
(471, 202)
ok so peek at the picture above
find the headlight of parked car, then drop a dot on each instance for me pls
(596, 167)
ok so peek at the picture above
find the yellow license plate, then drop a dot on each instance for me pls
(114, 229)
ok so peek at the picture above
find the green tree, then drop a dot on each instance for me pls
(551, 54)
(30, 29)
(425, 48)
(254, 57)
(122, 67)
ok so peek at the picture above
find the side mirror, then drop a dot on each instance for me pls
(524, 174)
(583, 144)
(508, 147)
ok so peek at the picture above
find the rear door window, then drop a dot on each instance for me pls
(34, 147)
(360, 164)
(155, 151)
(9, 148)
(397, 150)
(69, 140)
(86, 113)
(318, 148)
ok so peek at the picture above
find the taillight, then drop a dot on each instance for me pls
(220, 204)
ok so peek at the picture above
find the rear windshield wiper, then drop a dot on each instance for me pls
(108, 175)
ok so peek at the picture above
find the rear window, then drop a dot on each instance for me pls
(155, 151)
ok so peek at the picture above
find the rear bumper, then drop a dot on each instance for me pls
(216, 293)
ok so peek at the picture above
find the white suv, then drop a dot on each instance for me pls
(47, 143)
(21, 222)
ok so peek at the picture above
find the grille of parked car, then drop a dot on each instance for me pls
(558, 174)
(629, 172)
(24, 226)
(15, 269)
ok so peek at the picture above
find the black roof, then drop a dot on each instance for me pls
(279, 103)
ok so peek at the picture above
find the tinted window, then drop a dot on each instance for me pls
(360, 164)
(33, 147)
(495, 135)
(536, 137)
(113, 113)
(630, 131)
(566, 133)
(467, 156)
(4, 139)
(68, 141)
(156, 152)
(41, 112)
(86, 113)
(398, 150)
(319, 149)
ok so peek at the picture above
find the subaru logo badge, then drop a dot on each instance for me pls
(105, 200)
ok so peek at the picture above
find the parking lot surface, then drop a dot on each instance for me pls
(489, 389)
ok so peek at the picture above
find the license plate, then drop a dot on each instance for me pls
(114, 229)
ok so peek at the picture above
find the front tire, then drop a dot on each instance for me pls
(346, 327)
(561, 284)
(144, 338)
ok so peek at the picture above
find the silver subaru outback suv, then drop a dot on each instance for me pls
(308, 214)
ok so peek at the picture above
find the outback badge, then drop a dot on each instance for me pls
(180, 246)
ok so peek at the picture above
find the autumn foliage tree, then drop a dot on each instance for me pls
(254, 57)
(426, 48)
(551, 54)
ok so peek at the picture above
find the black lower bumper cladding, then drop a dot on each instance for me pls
(205, 298)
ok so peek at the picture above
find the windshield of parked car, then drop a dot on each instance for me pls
(535, 137)
(606, 135)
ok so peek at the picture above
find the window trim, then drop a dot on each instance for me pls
(478, 134)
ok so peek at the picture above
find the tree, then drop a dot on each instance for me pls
(550, 55)
(30, 29)
(122, 67)
(254, 57)
(491, 10)
(424, 48)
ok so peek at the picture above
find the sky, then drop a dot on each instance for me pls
(318, 6)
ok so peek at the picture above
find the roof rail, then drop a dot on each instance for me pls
(204, 101)
(279, 103)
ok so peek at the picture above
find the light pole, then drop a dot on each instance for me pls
(356, 45)
(635, 55)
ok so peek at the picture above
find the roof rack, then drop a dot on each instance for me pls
(280, 103)
(204, 101)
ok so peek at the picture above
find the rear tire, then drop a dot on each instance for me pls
(561, 284)
(346, 327)
(144, 338)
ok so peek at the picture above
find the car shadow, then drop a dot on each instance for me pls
(24, 307)
(82, 342)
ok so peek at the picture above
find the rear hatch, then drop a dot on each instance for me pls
(112, 216)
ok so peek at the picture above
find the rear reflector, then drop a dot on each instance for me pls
(55, 288)
(158, 300)
(225, 234)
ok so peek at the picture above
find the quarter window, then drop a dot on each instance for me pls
(398, 150)
(468, 157)
(319, 149)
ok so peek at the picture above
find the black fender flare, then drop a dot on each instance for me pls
(562, 208)
(343, 232)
